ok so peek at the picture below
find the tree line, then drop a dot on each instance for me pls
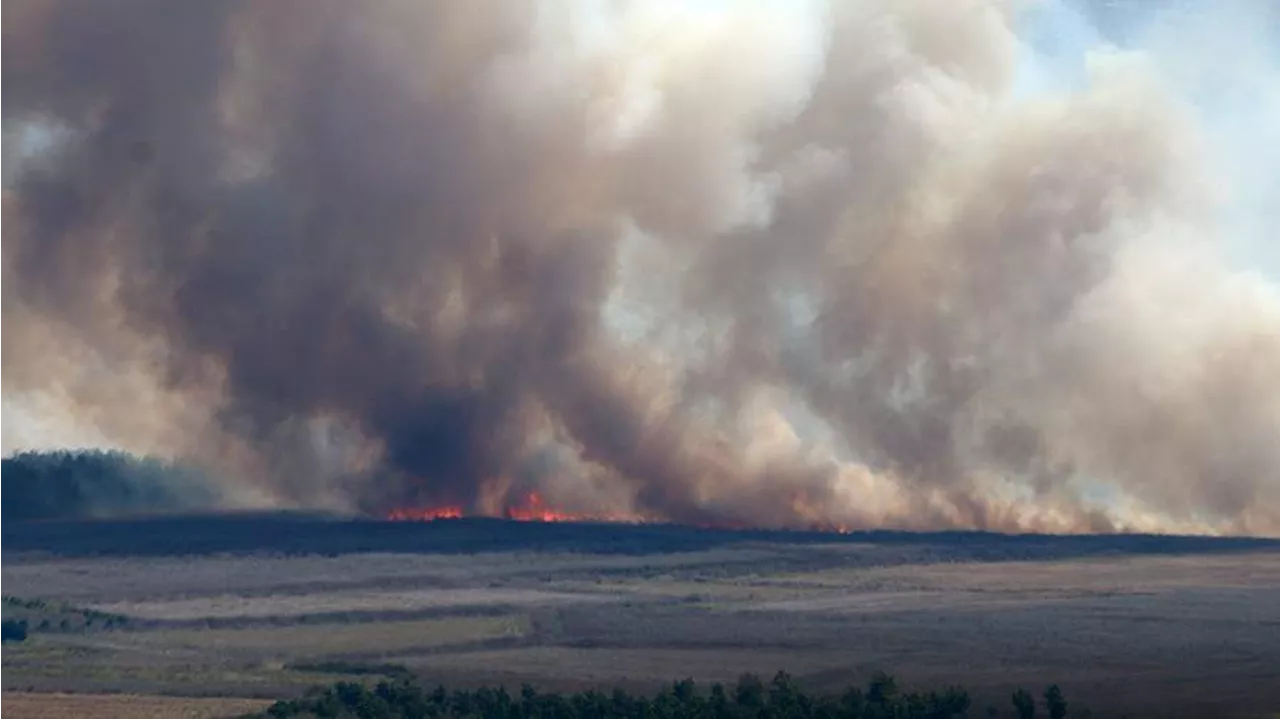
(66, 484)
(749, 698)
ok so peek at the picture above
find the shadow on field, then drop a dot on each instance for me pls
(283, 533)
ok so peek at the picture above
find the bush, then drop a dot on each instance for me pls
(13, 631)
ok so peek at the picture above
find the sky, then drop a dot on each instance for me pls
(1219, 57)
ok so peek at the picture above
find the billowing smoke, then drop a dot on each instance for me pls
(777, 264)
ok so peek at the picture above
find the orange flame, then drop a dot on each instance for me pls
(531, 509)
(424, 514)
(534, 509)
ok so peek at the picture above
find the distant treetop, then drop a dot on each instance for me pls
(69, 484)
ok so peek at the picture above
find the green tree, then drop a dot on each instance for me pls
(684, 690)
(882, 690)
(786, 697)
(1055, 702)
(953, 701)
(852, 702)
(719, 700)
(781, 698)
(749, 692)
(1024, 704)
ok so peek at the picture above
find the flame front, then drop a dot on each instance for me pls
(424, 514)
(534, 510)
(531, 508)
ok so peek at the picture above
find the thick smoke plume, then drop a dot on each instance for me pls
(775, 265)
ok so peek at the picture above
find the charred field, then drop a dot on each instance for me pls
(261, 606)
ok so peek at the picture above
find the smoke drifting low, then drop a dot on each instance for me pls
(774, 265)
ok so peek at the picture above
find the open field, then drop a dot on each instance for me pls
(1127, 625)
(123, 706)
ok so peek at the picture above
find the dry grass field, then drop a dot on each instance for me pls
(1124, 629)
(123, 706)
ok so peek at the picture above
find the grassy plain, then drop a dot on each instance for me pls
(124, 706)
(1125, 626)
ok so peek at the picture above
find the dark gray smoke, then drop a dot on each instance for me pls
(776, 267)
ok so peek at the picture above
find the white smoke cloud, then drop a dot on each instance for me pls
(910, 263)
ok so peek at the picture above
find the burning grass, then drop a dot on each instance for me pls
(530, 508)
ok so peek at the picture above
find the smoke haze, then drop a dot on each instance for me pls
(890, 263)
